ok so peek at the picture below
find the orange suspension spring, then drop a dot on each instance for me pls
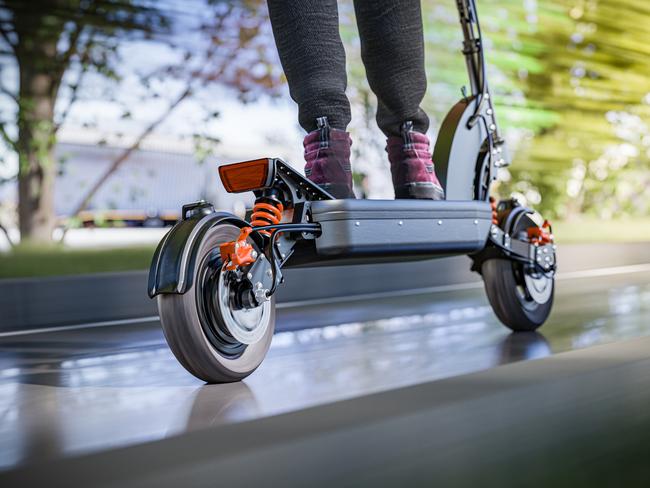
(265, 213)
(493, 204)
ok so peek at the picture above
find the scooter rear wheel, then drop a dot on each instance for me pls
(211, 339)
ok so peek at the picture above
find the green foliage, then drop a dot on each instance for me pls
(595, 78)
(571, 80)
(57, 44)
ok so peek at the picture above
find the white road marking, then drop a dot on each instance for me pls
(571, 275)
(614, 270)
(91, 325)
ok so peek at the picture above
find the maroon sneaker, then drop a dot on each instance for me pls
(327, 153)
(412, 167)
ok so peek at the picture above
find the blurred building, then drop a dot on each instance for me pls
(149, 188)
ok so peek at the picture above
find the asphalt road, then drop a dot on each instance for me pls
(69, 393)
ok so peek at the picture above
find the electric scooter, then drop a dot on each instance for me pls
(215, 275)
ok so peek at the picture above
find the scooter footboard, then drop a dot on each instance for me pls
(380, 227)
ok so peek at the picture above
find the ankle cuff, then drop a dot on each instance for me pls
(423, 190)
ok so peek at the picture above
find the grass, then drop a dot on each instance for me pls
(593, 230)
(32, 262)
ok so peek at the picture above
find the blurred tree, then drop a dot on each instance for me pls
(50, 40)
(44, 38)
(235, 50)
(570, 79)
(585, 67)
(605, 132)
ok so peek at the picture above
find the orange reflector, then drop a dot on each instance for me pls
(246, 176)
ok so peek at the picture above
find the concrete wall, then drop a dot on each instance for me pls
(56, 301)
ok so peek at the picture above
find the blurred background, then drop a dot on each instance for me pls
(114, 114)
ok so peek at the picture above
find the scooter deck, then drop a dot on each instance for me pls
(397, 227)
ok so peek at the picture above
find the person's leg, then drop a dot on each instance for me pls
(313, 58)
(392, 49)
(311, 52)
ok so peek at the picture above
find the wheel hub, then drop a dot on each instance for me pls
(246, 325)
(539, 287)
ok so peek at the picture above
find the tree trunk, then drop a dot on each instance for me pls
(37, 171)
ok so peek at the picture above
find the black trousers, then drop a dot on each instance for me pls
(312, 55)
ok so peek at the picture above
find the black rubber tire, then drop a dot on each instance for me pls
(179, 317)
(501, 288)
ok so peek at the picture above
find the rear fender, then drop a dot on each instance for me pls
(172, 267)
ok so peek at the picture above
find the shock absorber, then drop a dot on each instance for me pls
(266, 211)
(541, 235)
(493, 206)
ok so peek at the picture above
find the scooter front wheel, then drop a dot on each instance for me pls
(521, 295)
(213, 339)
(521, 302)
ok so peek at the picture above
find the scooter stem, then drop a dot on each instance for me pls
(477, 73)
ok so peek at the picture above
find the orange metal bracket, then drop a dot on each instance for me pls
(541, 235)
(238, 252)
